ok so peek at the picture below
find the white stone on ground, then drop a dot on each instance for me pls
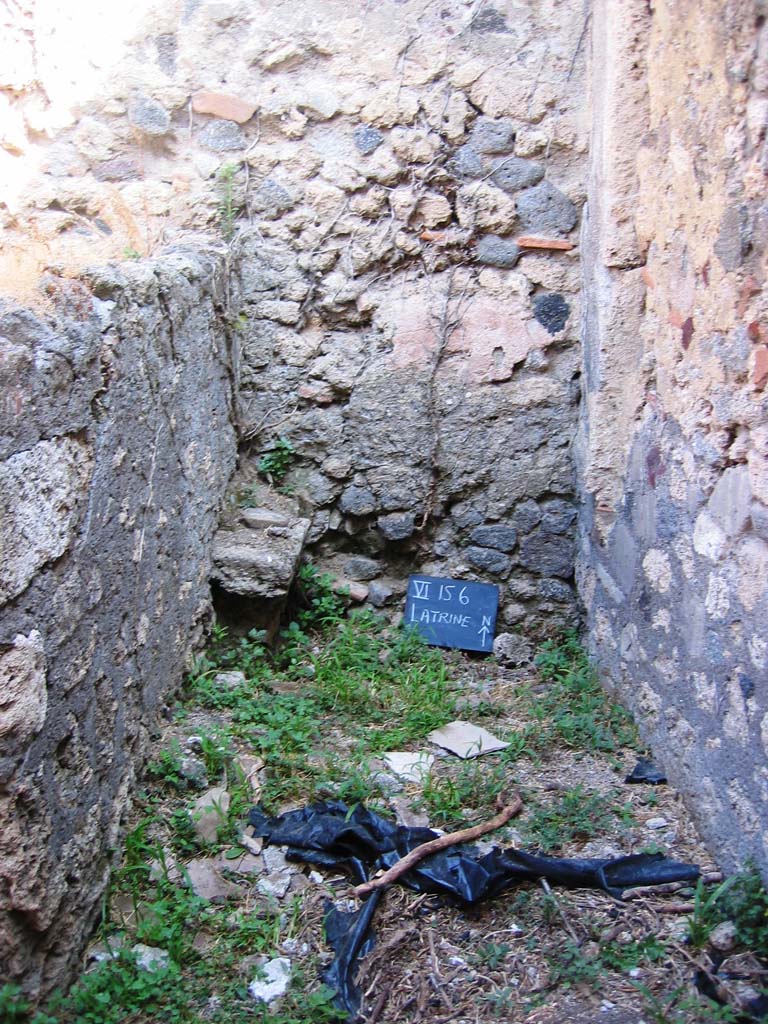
(273, 980)
(150, 958)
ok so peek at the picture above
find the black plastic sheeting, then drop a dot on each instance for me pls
(647, 772)
(359, 841)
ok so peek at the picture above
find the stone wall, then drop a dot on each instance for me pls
(117, 444)
(674, 453)
(401, 184)
(408, 294)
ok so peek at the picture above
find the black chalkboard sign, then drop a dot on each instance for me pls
(452, 613)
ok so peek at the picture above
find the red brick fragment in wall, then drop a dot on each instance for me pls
(314, 392)
(534, 242)
(755, 332)
(654, 464)
(222, 104)
(647, 276)
(748, 289)
(760, 372)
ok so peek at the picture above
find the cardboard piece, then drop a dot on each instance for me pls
(466, 740)
(410, 765)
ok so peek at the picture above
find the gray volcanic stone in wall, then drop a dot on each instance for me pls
(121, 168)
(526, 516)
(270, 199)
(489, 21)
(551, 310)
(379, 594)
(221, 136)
(502, 537)
(731, 500)
(397, 525)
(360, 568)
(514, 173)
(489, 136)
(167, 49)
(488, 559)
(497, 252)
(466, 515)
(319, 490)
(732, 242)
(548, 555)
(559, 516)
(556, 590)
(258, 563)
(357, 501)
(367, 138)
(511, 649)
(149, 116)
(544, 209)
(466, 163)
(397, 488)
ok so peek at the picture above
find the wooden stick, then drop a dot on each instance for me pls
(675, 908)
(466, 835)
(379, 1006)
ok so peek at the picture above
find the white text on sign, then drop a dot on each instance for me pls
(445, 591)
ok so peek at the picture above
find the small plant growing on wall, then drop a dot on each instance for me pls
(275, 463)
(227, 205)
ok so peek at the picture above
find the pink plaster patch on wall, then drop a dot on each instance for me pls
(415, 331)
(496, 337)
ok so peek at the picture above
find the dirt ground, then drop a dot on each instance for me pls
(535, 953)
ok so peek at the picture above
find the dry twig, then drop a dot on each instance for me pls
(465, 835)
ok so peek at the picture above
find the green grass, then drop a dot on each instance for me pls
(573, 710)
(456, 798)
(577, 814)
(384, 687)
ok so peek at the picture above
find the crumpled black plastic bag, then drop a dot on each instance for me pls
(360, 841)
(350, 937)
(331, 834)
(646, 771)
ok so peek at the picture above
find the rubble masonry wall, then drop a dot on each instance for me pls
(674, 446)
(117, 445)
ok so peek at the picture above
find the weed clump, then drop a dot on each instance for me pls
(574, 710)
(741, 899)
(578, 814)
(275, 463)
